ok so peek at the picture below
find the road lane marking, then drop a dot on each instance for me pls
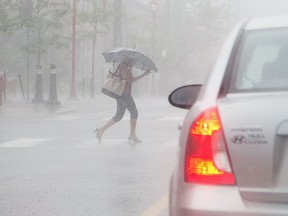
(157, 207)
(22, 143)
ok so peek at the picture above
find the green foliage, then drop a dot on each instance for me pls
(41, 19)
(5, 19)
(93, 21)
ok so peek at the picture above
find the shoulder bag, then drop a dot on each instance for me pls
(113, 86)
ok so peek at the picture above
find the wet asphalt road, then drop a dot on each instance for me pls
(51, 163)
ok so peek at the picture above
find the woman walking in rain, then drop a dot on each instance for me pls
(125, 101)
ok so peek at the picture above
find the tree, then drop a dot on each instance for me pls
(204, 25)
(5, 22)
(41, 19)
(90, 22)
(208, 23)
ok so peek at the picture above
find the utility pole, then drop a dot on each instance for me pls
(29, 10)
(73, 94)
(28, 62)
(92, 80)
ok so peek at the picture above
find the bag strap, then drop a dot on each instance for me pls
(112, 72)
(115, 69)
(116, 72)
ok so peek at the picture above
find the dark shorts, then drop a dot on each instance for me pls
(125, 102)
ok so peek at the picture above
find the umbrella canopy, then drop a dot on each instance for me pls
(141, 60)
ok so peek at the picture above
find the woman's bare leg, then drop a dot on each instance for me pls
(102, 129)
(133, 137)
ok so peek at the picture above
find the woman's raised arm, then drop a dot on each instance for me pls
(145, 73)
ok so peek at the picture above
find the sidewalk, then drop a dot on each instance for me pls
(28, 108)
(100, 103)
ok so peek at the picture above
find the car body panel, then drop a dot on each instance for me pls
(258, 155)
(205, 200)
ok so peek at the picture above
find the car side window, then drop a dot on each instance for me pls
(252, 73)
(262, 61)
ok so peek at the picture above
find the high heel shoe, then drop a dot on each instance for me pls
(134, 140)
(97, 134)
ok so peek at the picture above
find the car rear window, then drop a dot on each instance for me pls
(261, 61)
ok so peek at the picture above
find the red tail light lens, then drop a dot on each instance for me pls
(206, 158)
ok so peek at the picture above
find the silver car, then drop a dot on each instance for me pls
(233, 156)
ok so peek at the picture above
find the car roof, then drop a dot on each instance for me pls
(266, 22)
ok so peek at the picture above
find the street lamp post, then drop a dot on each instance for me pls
(73, 94)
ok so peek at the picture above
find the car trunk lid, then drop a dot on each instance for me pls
(256, 131)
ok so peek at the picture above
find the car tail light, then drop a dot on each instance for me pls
(206, 159)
